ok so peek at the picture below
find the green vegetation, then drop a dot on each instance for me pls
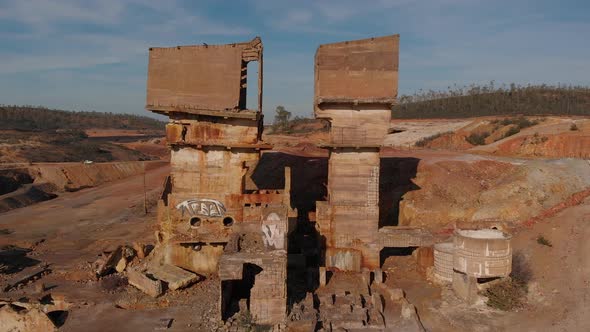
(516, 124)
(477, 139)
(543, 241)
(284, 124)
(281, 120)
(520, 122)
(512, 131)
(489, 100)
(40, 118)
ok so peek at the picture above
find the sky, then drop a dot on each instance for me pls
(92, 55)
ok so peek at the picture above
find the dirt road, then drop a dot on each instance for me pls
(79, 219)
(69, 233)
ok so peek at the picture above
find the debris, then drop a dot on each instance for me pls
(26, 275)
(174, 276)
(32, 319)
(121, 265)
(54, 302)
(164, 324)
(140, 250)
(40, 287)
(144, 283)
(116, 260)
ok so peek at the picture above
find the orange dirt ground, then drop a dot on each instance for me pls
(439, 189)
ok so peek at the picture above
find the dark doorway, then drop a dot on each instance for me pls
(232, 291)
(389, 252)
(395, 179)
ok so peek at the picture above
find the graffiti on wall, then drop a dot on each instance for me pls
(273, 234)
(202, 207)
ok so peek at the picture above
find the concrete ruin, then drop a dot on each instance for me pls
(214, 220)
(356, 85)
(474, 260)
(481, 258)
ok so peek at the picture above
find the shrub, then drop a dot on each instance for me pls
(512, 131)
(523, 122)
(424, 141)
(520, 122)
(477, 139)
(507, 295)
(543, 241)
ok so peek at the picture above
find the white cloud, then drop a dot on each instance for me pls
(42, 14)
(79, 49)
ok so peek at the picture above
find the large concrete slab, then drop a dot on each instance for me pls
(174, 276)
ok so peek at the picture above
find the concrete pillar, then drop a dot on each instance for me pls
(378, 276)
(465, 287)
(366, 275)
(323, 276)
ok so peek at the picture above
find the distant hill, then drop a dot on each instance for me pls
(40, 118)
(474, 101)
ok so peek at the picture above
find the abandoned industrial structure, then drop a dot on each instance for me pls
(216, 219)
(355, 87)
(212, 214)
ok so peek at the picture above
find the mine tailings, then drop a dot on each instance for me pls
(23, 185)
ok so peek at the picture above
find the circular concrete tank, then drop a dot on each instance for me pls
(443, 261)
(483, 253)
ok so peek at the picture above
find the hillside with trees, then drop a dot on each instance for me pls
(39, 119)
(490, 100)
(283, 123)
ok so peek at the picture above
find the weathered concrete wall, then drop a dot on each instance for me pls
(443, 261)
(199, 78)
(361, 70)
(355, 86)
(214, 218)
(357, 127)
(212, 170)
(352, 218)
(200, 258)
(221, 132)
(482, 253)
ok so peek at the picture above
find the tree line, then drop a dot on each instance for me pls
(41, 118)
(491, 100)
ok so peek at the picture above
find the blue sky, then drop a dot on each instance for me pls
(92, 55)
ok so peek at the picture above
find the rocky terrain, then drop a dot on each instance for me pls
(499, 184)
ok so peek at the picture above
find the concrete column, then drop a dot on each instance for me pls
(323, 276)
(378, 276)
(465, 287)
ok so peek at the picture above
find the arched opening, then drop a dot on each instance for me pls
(228, 221)
(195, 222)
